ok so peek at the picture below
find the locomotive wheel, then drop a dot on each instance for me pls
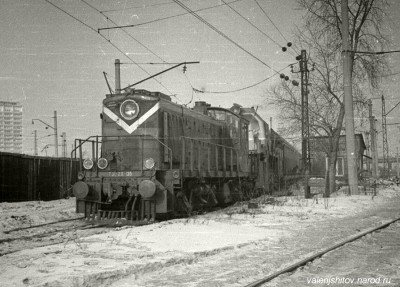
(248, 190)
(200, 194)
(184, 202)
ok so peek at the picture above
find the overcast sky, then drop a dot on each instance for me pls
(51, 61)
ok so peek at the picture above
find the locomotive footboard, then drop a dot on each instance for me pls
(102, 213)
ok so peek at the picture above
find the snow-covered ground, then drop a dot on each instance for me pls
(108, 258)
(23, 214)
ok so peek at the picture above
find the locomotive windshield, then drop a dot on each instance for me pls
(217, 114)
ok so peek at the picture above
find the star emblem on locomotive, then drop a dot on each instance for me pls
(129, 110)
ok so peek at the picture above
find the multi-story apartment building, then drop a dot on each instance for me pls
(10, 127)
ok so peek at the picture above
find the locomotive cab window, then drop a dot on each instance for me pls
(244, 131)
(236, 122)
(229, 119)
(220, 115)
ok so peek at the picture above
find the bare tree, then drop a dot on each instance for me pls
(321, 36)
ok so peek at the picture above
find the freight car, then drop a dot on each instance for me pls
(155, 157)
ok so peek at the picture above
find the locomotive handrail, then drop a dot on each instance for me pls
(152, 137)
(142, 137)
(223, 147)
(81, 143)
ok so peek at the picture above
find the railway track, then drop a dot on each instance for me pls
(40, 225)
(293, 267)
(44, 234)
(236, 266)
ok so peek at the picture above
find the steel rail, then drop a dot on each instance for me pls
(40, 225)
(48, 233)
(45, 234)
(303, 262)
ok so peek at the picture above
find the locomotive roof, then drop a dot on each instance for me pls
(166, 98)
(141, 92)
(225, 110)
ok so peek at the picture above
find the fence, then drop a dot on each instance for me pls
(25, 178)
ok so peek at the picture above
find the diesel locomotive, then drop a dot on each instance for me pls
(155, 158)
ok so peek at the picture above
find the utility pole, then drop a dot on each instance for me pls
(55, 134)
(372, 132)
(398, 167)
(305, 124)
(386, 162)
(348, 101)
(35, 142)
(385, 141)
(367, 139)
(64, 144)
(398, 162)
(305, 127)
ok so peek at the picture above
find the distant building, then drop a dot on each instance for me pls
(319, 162)
(10, 127)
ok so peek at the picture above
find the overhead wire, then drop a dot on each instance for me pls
(138, 7)
(151, 63)
(213, 27)
(189, 12)
(388, 75)
(272, 22)
(254, 26)
(265, 13)
(244, 88)
(221, 33)
(233, 42)
(166, 18)
(111, 43)
(128, 34)
(137, 41)
(191, 99)
(193, 90)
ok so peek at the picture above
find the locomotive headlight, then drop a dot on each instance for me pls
(88, 163)
(129, 109)
(149, 163)
(175, 174)
(102, 163)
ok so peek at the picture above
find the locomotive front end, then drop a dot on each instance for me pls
(127, 171)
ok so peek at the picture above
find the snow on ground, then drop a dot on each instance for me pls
(27, 213)
(128, 250)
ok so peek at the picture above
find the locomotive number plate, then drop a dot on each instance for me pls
(119, 173)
